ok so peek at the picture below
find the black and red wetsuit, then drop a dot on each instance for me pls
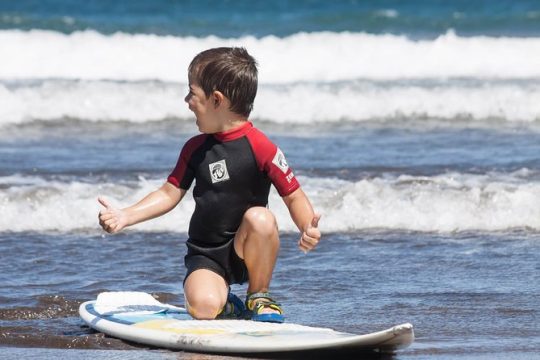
(233, 172)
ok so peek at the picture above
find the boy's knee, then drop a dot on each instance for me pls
(204, 307)
(261, 220)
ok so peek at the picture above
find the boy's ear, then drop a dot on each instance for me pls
(218, 98)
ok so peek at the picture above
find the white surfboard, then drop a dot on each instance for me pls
(138, 317)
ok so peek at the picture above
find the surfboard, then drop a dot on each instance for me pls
(138, 317)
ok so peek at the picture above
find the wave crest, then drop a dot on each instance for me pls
(353, 101)
(441, 203)
(319, 56)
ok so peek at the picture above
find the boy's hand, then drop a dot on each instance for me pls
(111, 219)
(311, 235)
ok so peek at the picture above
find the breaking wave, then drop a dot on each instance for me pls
(440, 203)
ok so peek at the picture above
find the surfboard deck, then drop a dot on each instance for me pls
(140, 318)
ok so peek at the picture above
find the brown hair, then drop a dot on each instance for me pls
(230, 70)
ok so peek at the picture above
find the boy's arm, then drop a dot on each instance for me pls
(305, 219)
(152, 205)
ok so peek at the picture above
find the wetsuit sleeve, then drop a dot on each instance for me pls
(183, 173)
(271, 160)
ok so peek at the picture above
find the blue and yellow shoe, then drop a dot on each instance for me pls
(234, 308)
(258, 302)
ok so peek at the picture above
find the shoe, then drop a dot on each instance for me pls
(257, 302)
(234, 308)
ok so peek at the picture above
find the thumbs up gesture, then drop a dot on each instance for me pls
(111, 219)
(311, 235)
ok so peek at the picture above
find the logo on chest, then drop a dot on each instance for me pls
(218, 171)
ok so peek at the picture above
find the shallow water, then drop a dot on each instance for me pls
(467, 293)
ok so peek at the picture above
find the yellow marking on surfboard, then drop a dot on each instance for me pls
(164, 325)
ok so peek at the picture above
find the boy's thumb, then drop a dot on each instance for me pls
(104, 202)
(315, 220)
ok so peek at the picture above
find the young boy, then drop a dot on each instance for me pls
(233, 236)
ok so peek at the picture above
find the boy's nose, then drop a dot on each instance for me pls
(186, 99)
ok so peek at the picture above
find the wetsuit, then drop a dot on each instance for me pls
(233, 172)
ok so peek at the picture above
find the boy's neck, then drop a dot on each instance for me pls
(233, 122)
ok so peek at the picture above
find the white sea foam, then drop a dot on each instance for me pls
(443, 203)
(325, 103)
(92, 101)
(322, 56)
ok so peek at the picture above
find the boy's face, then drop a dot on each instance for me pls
(204, 109)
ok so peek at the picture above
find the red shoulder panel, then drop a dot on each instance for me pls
(271, 160)
(177, 175)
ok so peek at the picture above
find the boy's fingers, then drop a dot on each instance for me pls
(309, 238)
(110, 222)
(110, 228)
(302, 246)
(312, 232)
(105, 216)
(307, 242)
(305, 248)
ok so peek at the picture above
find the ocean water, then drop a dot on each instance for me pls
(413, 126)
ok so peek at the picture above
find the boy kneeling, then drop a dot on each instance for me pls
(233, 236)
